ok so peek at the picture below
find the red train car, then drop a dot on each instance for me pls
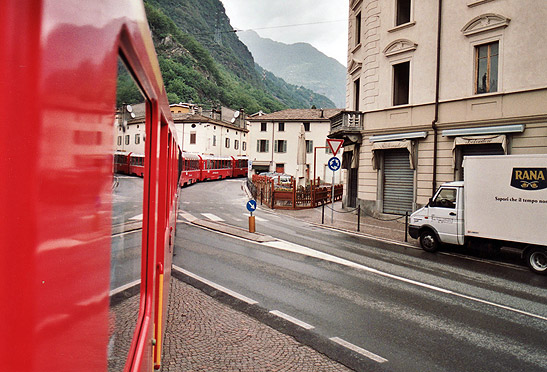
(215, 168)
(190, 169)
(240, 166)
(136, 164)
(121, 162)
(63, 287)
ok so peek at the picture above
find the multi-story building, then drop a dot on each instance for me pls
(196, 133)
(203, 135)
(130, 131)
(432, 81)
(273, 141)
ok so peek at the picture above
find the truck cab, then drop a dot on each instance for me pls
(441, 220)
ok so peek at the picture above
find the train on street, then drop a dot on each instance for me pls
(84, 284)
(192, 167)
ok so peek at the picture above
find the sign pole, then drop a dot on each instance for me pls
(334, 165)
(332, 202)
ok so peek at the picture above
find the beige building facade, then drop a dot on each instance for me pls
(273, 141)
(432, 81)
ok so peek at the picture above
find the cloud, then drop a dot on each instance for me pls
(322, 23)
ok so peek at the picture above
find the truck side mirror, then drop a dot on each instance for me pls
(430, 203)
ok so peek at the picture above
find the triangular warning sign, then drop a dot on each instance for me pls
(335, 145)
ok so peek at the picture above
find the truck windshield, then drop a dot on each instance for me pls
(446, 198)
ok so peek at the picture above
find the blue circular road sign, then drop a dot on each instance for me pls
(251, 205)
(334, 163)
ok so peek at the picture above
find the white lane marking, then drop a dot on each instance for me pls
(291, 319)
(187, 216)
(248, 300)
(359, 350)
(212, 217)
(237, 219)
(295, 248)
(260, 219)
(128, 232)
(137, 217)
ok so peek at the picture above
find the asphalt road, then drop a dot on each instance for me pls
(411, 311)
(125, 259)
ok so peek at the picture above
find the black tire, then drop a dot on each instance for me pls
(536, 259)
(429, 241)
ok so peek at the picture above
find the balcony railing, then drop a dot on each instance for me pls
(347, 121)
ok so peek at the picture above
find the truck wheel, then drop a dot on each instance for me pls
(536, 258)
(429, 241)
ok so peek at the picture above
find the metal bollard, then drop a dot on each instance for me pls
(252, 224)
(323, 215)
(359, 217)
(406, 226)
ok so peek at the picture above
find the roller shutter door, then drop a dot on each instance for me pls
(477, 150)
(398, 182)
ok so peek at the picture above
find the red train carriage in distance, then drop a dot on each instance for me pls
(190, 166)
(195, 168)
(215, 168)
(240, 166)
(68, 286)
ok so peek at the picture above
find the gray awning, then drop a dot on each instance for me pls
(397, 136)
(499, 129)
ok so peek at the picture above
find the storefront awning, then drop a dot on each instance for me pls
(397, 136)
(499, 129)
(478, 140)
(405, 144)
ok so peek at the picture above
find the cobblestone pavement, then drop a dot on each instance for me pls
(203, 334)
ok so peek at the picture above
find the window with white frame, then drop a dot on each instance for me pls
(358, 29)
(280, 146)
(262, 145)
(402, 15)
(401, 83)
(309, 146)
(486, 67)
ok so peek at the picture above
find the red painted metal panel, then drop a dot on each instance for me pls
(58, 66)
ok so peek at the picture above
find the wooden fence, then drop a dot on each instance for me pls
(286, 195)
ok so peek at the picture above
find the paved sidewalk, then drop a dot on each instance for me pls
(387, 227)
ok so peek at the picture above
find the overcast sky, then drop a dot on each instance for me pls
(265, 16)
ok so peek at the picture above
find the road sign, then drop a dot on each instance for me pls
(251, 205)
(334, 164)
(335, 145)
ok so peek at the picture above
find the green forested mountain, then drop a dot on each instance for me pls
(203, 61)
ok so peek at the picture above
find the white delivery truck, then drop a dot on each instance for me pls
(501, 202)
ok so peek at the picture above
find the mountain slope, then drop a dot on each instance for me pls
(203, 65)
(299, 64)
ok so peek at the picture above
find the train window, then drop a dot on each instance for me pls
(126, 258)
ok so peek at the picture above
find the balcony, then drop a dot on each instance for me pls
(347, 124)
